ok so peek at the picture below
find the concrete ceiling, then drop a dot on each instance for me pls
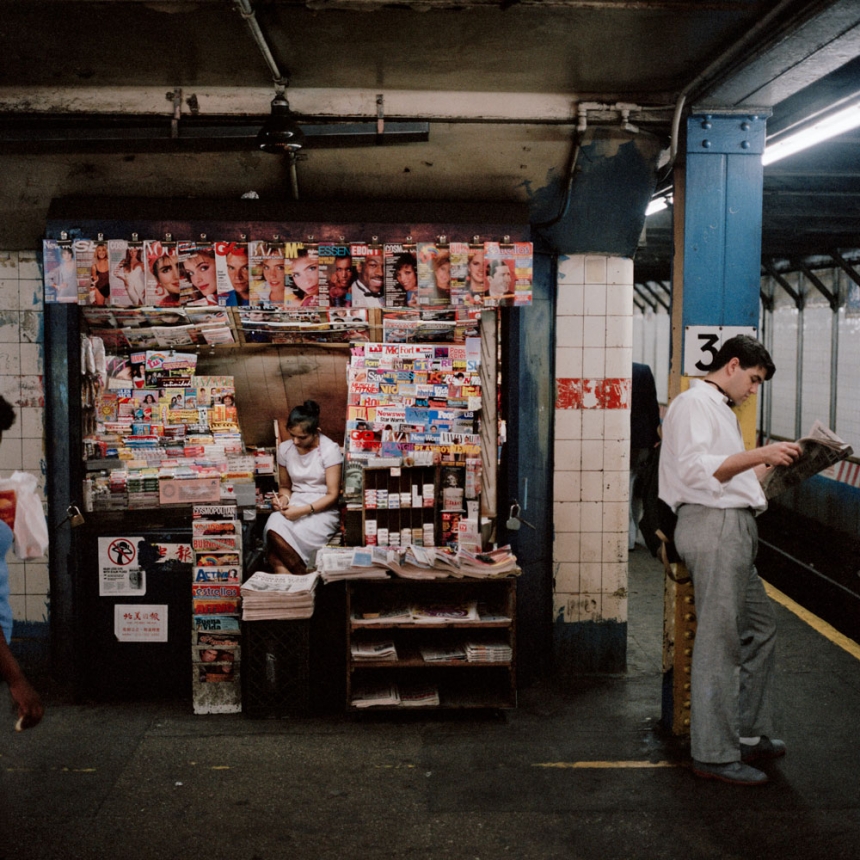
(88, 89)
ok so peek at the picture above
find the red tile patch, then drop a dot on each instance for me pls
(608, 393)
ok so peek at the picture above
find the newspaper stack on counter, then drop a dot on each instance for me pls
(349, 563)
(269, 596)
(414, 562)
(488, 652)
(418, 696)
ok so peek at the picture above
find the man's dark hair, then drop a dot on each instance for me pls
(7, 414)
(748, 351)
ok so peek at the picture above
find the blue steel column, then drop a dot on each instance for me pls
(719, 287)
(722, 219)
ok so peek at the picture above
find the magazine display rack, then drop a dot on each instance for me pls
(443, 643)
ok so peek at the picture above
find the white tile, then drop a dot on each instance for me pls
(567, 486)
(591, 547)
(29, 265)
(565, 606)
(10, 327)
(619, 299)
(568, 423)
(568, 455)
(566, 547)
(616, 455)
(11, 457)
(595, 300)
(32, 327)
(616, 486)
(9, 300)
(617, 424)
(615, 551)
(17, 577)
(614, 607)
(31, 294)
(619, 362)
(595, 269)
(619, 331)
(589, 605)
(571, 269)
(37, 578)
(567, 577)
(18, 605)
(567, 516)
(36, 608)
(31, 359)
(592, 486)
(619, 270)
(569, 331)
(9, 265)
(10, 359)
(570, 300)
(568, 362)
(592, 423)
(593, 363)
(615, 517)
(32, 391)
(33, 455)
(31, 422)
(594, 331)
(592, 517)
(592, 455)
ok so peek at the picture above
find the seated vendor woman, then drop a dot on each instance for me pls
(306, 514)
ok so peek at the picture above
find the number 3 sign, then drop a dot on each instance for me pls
(703, 342)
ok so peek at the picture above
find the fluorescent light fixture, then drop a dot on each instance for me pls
(823, 129)
(658, 204)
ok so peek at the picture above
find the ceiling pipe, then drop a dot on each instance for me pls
(715, 68)
(247, 12)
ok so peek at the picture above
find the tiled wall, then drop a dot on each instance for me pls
(23, 446)
(594, 352)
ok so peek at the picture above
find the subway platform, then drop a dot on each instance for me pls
(576, 771)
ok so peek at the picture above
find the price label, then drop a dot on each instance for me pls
(703, 342)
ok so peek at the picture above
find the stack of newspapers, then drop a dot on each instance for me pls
(269, 596)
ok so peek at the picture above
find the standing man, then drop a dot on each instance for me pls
(713, 485)
(644, 435)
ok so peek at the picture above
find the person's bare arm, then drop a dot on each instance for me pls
(30, 707)
(775, 454)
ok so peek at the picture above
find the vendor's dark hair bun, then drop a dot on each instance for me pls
(308, 415)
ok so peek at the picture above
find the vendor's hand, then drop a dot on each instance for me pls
(30, 707)
(280, 502)
(780, 453)
(293, 513)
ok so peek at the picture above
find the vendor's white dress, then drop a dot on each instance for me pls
(307, 475)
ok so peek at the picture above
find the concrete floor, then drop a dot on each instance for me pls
(154, 781)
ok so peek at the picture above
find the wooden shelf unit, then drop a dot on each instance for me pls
(461, 683)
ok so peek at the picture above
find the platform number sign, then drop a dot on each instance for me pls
(703, 342)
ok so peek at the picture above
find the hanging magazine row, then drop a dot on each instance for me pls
(118, 273)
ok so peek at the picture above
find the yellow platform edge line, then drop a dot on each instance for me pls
(606, 764)
(816, 623)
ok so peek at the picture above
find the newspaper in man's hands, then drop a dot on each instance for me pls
(820, 448)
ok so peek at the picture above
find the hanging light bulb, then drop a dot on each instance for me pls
(281, 133)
